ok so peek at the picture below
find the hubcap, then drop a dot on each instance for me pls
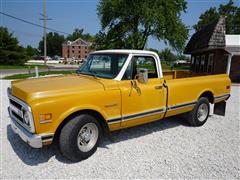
(87, 137)
(202, 112)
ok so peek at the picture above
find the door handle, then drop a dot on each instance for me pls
(158, 87)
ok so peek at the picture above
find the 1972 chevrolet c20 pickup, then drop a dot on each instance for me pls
(113, 89)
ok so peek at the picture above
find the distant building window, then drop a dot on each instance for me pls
(85, 47)
(202, 69)
(73, 47)
(85, 52)
(85, 56)
(72, 51)
(210, 63)
(79, 56)
(79, 51)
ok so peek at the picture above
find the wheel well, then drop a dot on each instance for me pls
(96, 114)
(208, 95)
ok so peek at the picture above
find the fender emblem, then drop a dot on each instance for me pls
(110, 105)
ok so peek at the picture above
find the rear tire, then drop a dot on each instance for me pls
(80, 137)
(199, 115)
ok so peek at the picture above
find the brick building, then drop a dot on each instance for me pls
(214, 52)
(77, 49)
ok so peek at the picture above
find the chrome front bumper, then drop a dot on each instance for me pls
(35, 141)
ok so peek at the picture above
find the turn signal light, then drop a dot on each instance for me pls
(45, 118)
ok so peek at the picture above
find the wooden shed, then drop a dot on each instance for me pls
(214, 52)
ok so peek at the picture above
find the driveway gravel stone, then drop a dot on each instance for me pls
(168, 148)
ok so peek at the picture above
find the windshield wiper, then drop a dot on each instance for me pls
(90, 73)
(94, 73)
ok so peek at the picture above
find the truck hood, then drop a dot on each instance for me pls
(30, 89)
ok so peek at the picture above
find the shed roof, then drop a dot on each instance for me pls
(209, 37)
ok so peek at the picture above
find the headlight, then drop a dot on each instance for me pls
(26, 119)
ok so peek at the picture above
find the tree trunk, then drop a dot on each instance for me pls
(144, 37)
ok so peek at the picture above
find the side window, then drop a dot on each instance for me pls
(210, 63)
(121, 61)
(192, 63)
(138, 62)
(202, 63)
(196, 69)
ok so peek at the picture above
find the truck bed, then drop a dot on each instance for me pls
(168, 75)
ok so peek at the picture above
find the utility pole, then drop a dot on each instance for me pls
(45, 32)
(45, 18)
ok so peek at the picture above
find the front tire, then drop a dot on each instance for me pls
(80, 137)
(200, 113)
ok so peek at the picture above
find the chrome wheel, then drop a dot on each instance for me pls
(87, 137)
(202, 112)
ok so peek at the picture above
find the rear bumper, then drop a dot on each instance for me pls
(35, 141)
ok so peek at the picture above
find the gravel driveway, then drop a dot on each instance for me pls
(165, 149)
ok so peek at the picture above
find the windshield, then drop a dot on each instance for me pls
(103, 65)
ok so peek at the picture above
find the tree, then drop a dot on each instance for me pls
(153, 50)
(168, 56)
(30, 51)
(10, 52)
(129, 23)
(229, 10)
(183, 57)
(78, 33)
(54, 44)
(208, 16)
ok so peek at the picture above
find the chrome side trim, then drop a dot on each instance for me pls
(149, 113)
(221, 98)
(224, 96)
(143, 114)
(180, 106)
(136, 115)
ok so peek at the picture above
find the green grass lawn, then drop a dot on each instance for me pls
(21, 66)
(165, 67)
(24, 76)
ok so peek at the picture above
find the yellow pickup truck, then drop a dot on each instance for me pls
(113, 89)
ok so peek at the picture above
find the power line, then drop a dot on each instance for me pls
(34, 24)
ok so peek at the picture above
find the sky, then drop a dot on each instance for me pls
(67, 15)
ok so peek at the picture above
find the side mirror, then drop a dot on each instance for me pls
(142, 75)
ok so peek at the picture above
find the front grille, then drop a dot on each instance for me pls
(17, 116)
(14, 103)
(16, 110)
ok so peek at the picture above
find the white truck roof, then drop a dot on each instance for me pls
(129, 51)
